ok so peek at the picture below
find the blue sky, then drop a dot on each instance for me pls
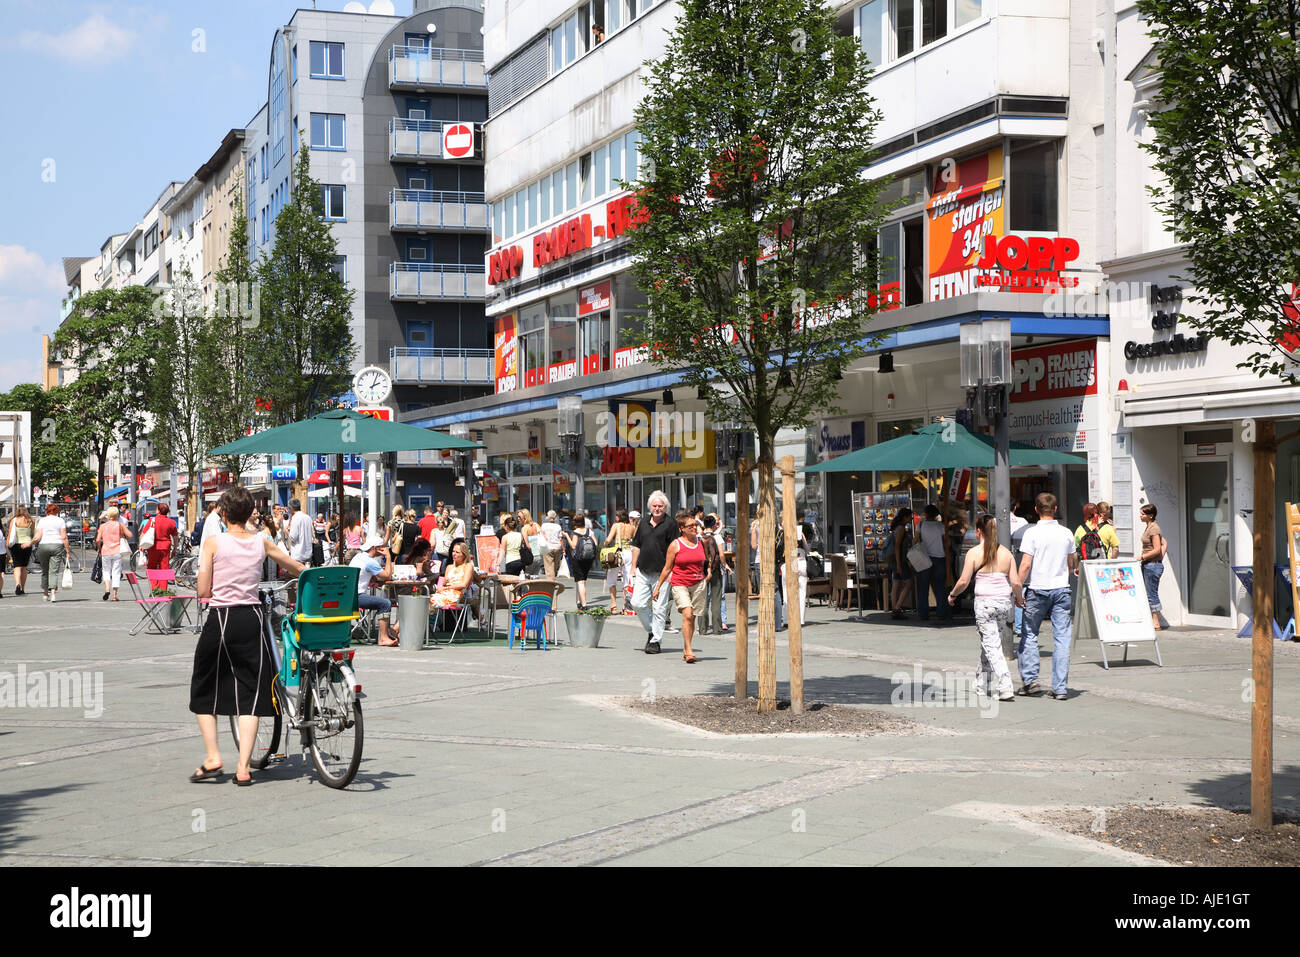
(122, 98)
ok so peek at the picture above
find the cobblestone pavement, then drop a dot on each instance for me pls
(484, 755)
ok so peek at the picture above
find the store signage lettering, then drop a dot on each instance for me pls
(561, 371)
(1178, 345)
(1028, 265)
(593, 298)
(617, 459)
(622, 214)
(631, 356)
(1165, 303)
(966, 209)
(505, 264)
(1057, 371)
(564, 240)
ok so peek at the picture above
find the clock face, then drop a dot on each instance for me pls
(372, 385)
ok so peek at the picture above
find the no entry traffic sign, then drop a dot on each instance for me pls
(457, 140)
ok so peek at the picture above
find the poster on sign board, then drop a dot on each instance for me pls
(1111, 605)
(965, 208)
(505, 360)
(560, 481)
(489, 552)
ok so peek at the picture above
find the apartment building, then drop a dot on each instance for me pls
(990, 111)
(373, 94)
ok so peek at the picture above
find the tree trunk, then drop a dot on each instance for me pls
(742, 581)
(99, 485)
(793, 608)
(1261, 724)
(767, 584)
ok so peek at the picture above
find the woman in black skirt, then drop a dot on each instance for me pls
(234, 667)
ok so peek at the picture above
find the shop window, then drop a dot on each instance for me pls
(531, 349)
(1033, 188)
(596, 343)
(562, 312)
(889, 248)
(913, 263)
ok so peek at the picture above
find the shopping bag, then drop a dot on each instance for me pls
(67, 577)
(918, 558)
(97, 570)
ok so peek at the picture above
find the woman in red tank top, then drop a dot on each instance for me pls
(688, 568)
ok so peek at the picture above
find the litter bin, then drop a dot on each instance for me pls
(413, 620)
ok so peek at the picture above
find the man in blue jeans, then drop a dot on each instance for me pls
(1047, 564)
(376, 564)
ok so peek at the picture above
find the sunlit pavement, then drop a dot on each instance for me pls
(479, 754)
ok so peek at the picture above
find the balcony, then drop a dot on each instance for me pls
(427, 458)
(424, 209)
(435, 366)
(423, 282)
(416, 140)
(429, 68)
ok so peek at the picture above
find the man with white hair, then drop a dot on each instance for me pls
(649, 552)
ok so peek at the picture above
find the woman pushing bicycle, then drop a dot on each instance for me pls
(234, 666)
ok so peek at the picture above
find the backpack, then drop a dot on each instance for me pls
(196, 536)
(816, 567)
(1090, 545)
(585, 550)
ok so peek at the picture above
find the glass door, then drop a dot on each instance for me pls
(1207, 523)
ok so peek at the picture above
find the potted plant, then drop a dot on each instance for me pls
(175, 613)
(584, 627)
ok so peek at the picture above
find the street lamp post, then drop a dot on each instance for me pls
(986, 376)
(465, 466)
(573, 437)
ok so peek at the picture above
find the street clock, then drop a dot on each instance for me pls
(371, 385)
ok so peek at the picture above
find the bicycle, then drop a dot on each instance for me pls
(185, 563)
(314, 687)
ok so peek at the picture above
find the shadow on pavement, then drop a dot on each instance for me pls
(15, 807)
(1233, 790)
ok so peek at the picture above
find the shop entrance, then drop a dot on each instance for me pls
(1207, 524)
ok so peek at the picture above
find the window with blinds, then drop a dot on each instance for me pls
(521, 73)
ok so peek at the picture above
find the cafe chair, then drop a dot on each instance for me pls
(154, 611)
(529, 612)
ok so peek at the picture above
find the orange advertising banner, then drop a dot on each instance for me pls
(505, 364)
(966, 206)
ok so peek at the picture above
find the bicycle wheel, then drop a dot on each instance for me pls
(333, 716)
(187, 571)
(267, 743)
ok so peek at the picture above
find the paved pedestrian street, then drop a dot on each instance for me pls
(484, 755)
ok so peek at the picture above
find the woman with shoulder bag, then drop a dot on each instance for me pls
(582, 552)
(21, 530)
(112, 541)
(613, 555)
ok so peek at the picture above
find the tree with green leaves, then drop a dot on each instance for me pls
(224, 375)
(300, 354)
(115, 344)
(755, 227)
(1227, 144)
(178, 403)
(58, 439)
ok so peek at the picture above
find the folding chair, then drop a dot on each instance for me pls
(460, 611)
(161, 579)
(528, 613)
(151, 606)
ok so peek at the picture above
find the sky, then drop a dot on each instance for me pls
(104, 104)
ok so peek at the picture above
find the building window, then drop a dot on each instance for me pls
(327, 131)
(293, 64)
(326, 60)
(564, 328)
(332, 199)
(531, 350)
(340, 267)
(417, 254)
(889, 29)
(1033, 188)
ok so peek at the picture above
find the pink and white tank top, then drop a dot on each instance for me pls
(237, 570)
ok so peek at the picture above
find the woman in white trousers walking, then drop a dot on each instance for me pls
(996, 581)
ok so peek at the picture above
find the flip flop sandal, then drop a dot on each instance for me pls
(206, 774)
(689, 659)
(242, 784)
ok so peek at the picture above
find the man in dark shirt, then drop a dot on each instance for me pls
(649, 550)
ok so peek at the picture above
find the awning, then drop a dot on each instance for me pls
(120, 490)
(1214, 407)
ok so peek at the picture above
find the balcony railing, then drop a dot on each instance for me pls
(414, 139)
(409, 281)
(425, 67)
(431, 209)
(431, 366)
(427, 457)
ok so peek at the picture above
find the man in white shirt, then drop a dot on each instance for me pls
(1047, 564)
(934, 579)
(457, 525)
(376, 564)
(212, 525)
(551, 531)
(300, 533)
